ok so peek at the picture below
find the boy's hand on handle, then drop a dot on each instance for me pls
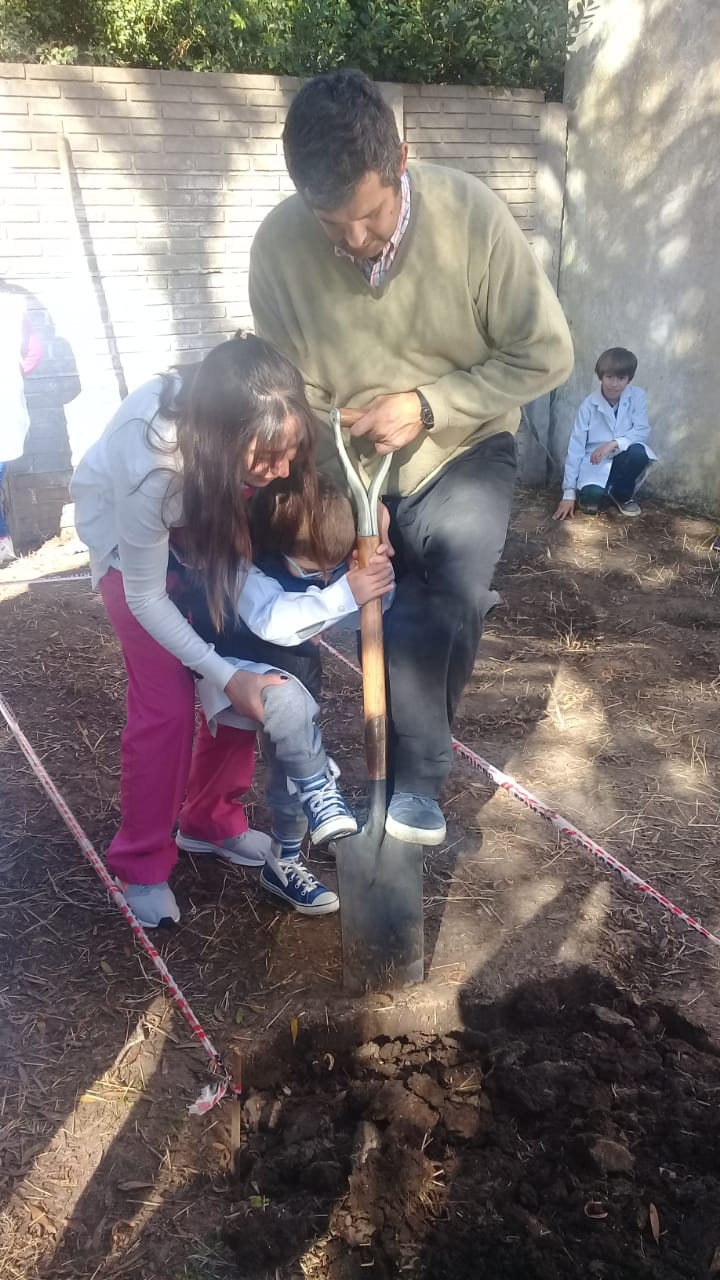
(244, 690)
(565, 510)
(603, 451)
(375, 580)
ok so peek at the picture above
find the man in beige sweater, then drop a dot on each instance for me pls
(408, 291)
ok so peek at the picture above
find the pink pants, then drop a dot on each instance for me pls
(158, 763)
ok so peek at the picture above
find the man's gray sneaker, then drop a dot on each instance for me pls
(415, 819)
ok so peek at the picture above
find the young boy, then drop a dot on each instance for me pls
(297, 553)
(608, 451)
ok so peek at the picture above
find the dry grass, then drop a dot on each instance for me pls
(598, 686)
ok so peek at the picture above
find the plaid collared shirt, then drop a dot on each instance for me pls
(375, 269)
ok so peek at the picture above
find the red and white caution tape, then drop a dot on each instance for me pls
(563, 825)
(211, 1094)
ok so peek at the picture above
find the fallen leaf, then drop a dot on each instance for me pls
(239, 1017)
(258, 1202)
(134, 1186)
(595, 1209)
(294, 1029)
(106, 967)
(329, 1061)
(715, 1264)
(654, 1222)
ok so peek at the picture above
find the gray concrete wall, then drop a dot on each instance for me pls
(640, 265)
(128, 203)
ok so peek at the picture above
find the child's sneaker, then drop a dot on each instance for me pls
(292, 881)
(153, 905)
(325, 809)
(629, 508)
(250, 849)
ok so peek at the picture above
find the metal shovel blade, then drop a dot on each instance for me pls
(380, 881)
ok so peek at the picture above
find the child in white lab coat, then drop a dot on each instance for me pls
(608, 452)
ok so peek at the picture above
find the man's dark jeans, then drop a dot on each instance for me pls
(448, 539)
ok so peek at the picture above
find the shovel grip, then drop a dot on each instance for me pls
(348, 417)
(373, 668)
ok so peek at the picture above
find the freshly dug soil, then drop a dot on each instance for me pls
(568, 1131)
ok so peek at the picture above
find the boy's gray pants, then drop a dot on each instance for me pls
(293, 748)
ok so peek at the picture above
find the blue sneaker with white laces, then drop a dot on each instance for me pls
(292, 881)
(325, 809)
(415, 819)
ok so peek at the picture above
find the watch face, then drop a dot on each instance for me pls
(426, 413)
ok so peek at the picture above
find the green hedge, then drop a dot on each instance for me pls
(508, 42)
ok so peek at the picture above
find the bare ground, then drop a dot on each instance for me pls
(597, 686)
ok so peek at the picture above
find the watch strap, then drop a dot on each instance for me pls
(426, 414)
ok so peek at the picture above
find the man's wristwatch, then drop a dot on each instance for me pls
(426, 413)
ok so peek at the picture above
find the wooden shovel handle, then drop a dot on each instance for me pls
(373, 667)
(348, 417)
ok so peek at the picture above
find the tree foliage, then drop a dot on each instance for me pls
(509, 42)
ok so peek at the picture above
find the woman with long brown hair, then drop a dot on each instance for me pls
(170, 477)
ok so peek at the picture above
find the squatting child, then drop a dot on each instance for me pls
(608, 452)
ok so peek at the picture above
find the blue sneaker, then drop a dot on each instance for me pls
(325, 809)
(297, 886)
(415, 819)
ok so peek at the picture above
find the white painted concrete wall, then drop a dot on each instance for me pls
(640, 257)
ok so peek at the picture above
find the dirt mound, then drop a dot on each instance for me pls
(575, 1134)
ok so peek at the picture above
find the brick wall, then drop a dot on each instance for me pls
(128, 203)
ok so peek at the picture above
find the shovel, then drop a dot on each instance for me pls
(380, 878)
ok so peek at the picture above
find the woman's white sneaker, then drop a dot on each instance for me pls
(153, 905)
(250, 849)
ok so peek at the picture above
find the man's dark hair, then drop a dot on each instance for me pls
(338, 129)
(617, 360)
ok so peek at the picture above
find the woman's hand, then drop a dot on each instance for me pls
(376, 580)
(603, 451)
(565, 510)
(244, 689)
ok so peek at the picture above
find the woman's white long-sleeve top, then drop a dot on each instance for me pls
(127, 491)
